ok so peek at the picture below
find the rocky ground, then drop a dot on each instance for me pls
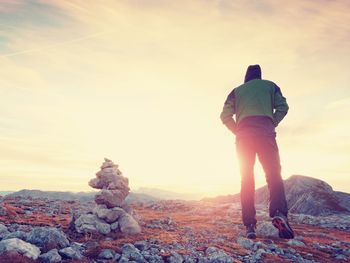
(172, 231)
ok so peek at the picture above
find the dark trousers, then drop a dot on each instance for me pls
(267, 150)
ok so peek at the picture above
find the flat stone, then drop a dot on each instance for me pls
(111, 198)
(24, 248)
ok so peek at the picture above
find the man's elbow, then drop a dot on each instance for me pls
(224, 118)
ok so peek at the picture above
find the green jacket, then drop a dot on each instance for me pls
(256, 97)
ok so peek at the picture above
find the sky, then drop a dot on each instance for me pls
(143, 83)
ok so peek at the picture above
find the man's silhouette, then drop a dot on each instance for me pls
(258, 106)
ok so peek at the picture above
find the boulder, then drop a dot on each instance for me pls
(47, 238)
(20, 246)
(128, 225)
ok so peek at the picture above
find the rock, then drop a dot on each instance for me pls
(175, 258)
(91, 245)
(128, 225)
(266, 229)
(20, 246)
(109, 177)
(51, 257)
(3, 231)
(70, 253)
(111, 198)
(294, 242)
(3, 211)
(89, 223)
(216, 255)
(130, 252)
(245, 242)
(47, 238)
(78, 247)
(115, 226)
(258, 254)
(109, 215)
(106, 254)
(141, 245)
(103, 228)
(108, 163)
(17, 234)
(307, 195)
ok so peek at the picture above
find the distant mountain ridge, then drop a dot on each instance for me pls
(305, 195)
(79, 196)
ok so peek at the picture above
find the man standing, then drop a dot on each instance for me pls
(259, 107)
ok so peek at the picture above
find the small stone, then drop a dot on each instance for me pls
(294, 242)
(106, 254)
(3, 229)
(16, 234)
(51, 257)
(115, 226)
(141, 245)
(132, 253)
(216, 255)
(341, 257)
(245, 242)
(175, 258)
(266, 229)
(103, 228)
(70, 253)
(129, 225)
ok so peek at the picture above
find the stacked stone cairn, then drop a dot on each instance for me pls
(109, 214)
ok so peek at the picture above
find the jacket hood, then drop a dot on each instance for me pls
(253, 72)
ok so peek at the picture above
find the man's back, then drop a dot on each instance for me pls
(258, 106)
(255, 98)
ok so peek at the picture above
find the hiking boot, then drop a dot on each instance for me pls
(280, 221)
(251, 231)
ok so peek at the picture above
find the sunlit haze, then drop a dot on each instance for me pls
(143, 83)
